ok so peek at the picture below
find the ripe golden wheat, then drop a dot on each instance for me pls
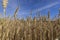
(30, 28)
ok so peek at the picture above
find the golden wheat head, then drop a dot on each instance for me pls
(4, 3)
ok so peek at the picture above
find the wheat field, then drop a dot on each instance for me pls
(37, 28)
(30, 29)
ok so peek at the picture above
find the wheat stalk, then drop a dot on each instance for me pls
(15, 13)
(4, 3)
(48, 15)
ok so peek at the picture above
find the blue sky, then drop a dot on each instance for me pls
(35, 5)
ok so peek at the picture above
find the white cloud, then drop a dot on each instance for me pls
(40, 9)
(45, 7)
